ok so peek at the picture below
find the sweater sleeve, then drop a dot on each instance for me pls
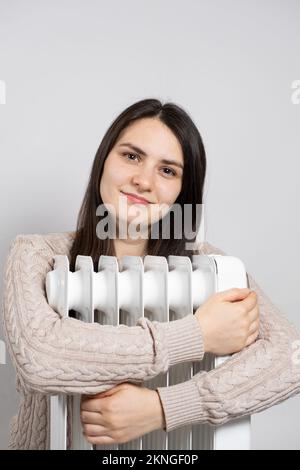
(252, 380)
(64, 355)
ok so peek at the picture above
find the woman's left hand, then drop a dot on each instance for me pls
(120, 414)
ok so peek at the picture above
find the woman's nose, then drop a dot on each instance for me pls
(143, 178)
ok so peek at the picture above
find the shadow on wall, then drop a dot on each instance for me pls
(9, 395)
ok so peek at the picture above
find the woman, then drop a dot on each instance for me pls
(107, 364)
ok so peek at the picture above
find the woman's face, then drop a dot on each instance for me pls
(155, 175)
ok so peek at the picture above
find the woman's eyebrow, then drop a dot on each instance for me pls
(142, 152)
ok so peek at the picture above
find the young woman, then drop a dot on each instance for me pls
(151, 158)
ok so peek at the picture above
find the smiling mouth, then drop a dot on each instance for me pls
(136, 199)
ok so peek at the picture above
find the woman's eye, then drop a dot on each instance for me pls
(130, 154)
(172, 171)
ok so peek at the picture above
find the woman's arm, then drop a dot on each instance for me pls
(261, 375)
(64, 355)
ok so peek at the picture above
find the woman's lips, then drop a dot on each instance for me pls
(136, 200)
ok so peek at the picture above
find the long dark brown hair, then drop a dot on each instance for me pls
(86, 241)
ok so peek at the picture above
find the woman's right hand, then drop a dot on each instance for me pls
(229, 321)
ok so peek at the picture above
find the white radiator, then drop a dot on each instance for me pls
(160, 289)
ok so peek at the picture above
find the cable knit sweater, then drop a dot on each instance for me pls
(64, 355)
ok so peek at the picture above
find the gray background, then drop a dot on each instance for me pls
(71, 66)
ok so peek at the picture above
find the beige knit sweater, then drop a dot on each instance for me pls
(63, 355)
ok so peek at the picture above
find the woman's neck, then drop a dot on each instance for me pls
(128, 247)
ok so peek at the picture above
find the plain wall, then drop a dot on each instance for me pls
(70, 67)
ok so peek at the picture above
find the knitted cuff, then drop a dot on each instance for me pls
(184, 340)
(182, 405)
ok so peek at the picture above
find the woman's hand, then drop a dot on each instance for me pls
(120, 414)
(229, 321)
